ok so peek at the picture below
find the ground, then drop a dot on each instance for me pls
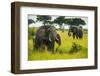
(63, 52)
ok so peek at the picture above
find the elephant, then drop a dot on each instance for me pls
(76, 32)
(47, 36)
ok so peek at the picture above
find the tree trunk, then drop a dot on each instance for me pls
(62, 28)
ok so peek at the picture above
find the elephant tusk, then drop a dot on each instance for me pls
(50, 39)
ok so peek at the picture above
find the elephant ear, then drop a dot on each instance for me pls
(58, 39)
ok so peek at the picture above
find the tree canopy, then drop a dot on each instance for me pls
(43, 18)
(61, 21)
(75, 21)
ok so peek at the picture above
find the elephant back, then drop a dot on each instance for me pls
(45, 31)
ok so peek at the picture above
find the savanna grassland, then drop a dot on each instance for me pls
(65, 51)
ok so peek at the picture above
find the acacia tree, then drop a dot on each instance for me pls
(44, 19)
(75, 22)
(60, 21)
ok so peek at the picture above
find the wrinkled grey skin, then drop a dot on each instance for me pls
(76, 32)
(46, 36)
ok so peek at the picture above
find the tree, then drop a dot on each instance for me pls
(78, 21)
(75, 21)
(60, 21)
(69, 21)
(30, 21)
(44, 18)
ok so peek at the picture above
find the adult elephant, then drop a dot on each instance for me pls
(47, 36)
(76, 32)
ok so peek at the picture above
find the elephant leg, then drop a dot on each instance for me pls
(81, 34)
(38, 44)
(77, 36)
(51, 47)
(42, 45)
(73, 36)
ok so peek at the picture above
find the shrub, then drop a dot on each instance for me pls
(75, 48)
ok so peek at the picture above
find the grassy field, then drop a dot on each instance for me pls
(64, 51)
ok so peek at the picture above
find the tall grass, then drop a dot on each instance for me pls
(63, 52)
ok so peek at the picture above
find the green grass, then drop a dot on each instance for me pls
(65, 48)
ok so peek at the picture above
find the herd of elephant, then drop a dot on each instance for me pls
(47, 36)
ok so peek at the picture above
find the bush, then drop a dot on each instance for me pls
(75, 48)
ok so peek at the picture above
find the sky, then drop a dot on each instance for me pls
(38, 24)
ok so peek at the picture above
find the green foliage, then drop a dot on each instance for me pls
(75, 48)
(43, 18)
(60, 21)
(75, 21)
(69, 21)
